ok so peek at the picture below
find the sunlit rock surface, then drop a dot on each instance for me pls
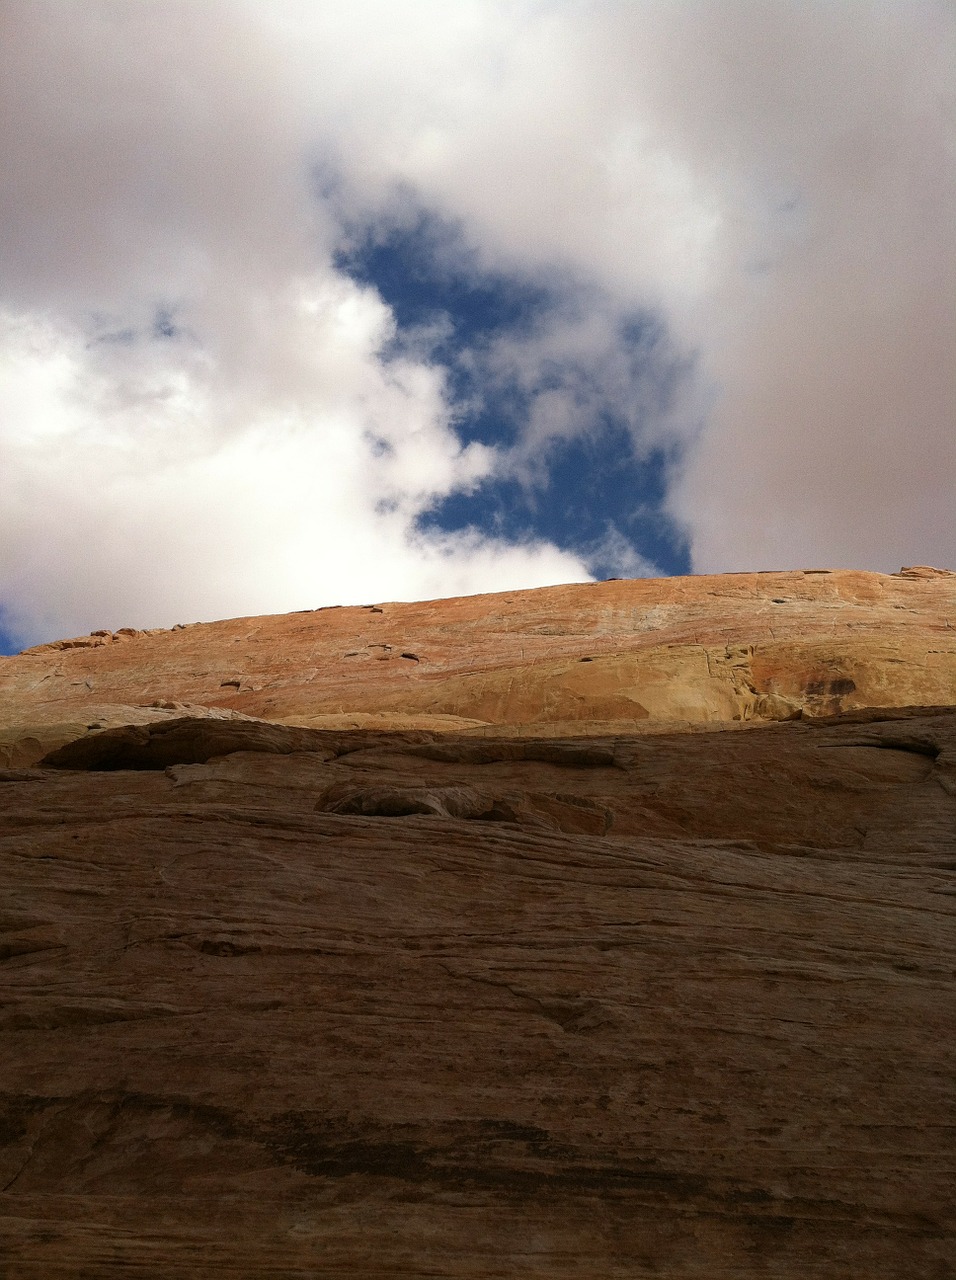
(765, 646)
(570, 990)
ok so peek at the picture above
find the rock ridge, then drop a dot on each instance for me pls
(769, 646)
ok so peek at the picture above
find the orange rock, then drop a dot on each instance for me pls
(767, 646)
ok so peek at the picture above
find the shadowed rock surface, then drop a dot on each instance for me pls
(290, 1001)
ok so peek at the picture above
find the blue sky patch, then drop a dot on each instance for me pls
(593, 493)
(8, 644)
(586, 491)
(420, 271)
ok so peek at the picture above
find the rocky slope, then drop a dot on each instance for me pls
(563, 659)
(569, 991)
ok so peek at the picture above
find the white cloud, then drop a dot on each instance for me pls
(577, 364)
(614, 550)
(777, 179)
(145, 498)
(774, 181)
(266, 455)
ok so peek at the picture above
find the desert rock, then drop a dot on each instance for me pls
(766, 646)
(568, 1000)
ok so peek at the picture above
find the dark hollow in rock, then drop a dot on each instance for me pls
(394, 800)
(835, 688)
(187, 741)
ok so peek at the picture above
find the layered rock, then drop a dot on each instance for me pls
(287, 1000)
(562, 659)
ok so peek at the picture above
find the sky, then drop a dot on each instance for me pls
(308, 303)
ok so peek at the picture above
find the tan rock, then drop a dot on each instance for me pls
(736, 647)
(307, 1000)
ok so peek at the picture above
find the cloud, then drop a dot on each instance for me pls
(831, 331)
(776, 182)
(146, 492)
(584, 361)
(739, 217)
(200, 413)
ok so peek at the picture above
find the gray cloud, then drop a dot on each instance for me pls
(772, 180)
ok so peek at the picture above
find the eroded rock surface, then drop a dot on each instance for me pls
(561, 660)
(292, 1001)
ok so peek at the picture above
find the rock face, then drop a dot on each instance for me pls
(565, 993)
(767, 646)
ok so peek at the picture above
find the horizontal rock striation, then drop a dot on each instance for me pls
(767, 646)
(307, 1000)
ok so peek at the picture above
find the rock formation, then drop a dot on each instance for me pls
(765, 646)
(593, 931)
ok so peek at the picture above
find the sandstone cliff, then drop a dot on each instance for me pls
(596, 931)
(767, 646)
